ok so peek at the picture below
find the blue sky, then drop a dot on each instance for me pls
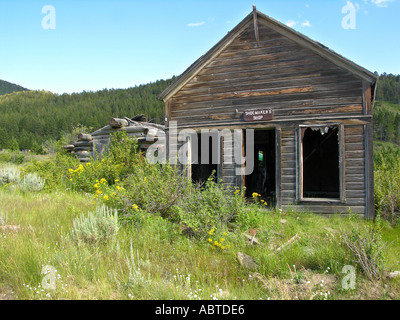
(121, 43)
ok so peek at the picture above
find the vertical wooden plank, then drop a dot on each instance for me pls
(220, 168)
(278, 167)
(256, 33)
(299, 163)
(238, 147)
(367, 98)
(189, 157)
(244, 155)
(342, 163)
(369, 172)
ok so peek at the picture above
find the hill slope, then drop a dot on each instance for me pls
(32, 117)
(7, 87)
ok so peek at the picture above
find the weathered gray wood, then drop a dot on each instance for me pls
(68, 147)
(84, 137)
(267, 67)
(118, 123)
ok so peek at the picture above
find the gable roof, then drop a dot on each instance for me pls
(279, 27)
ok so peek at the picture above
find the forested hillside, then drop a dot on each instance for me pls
(28, 118)
(387, 109)
(7, 87)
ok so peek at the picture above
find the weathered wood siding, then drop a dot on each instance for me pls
(280, 74)
(299, 86)
(354, 175)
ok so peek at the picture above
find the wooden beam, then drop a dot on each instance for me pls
(369, 172)
(256, 33)
(278, 167)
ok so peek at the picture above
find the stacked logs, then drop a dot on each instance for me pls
(146, 134)
(83, 148)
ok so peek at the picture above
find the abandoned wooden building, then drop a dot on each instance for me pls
(310, 110)
(96, 143)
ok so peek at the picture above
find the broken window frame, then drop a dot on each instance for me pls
(299, 169)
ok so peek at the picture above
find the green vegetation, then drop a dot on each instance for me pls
(31, 118)
(119, 228)
(387, 109)
(7, 87)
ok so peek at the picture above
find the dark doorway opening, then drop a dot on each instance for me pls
(262, 179)
(321, 162)
(206, 157)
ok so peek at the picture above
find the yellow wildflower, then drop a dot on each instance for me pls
(222, 247)
(105, 198)
(70, 170)
(209, 240)
(135, 207)
(224, 233)
(221, 240)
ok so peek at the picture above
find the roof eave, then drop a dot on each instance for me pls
(292, 34)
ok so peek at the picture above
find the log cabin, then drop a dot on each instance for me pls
(301, 113)
(93, 145)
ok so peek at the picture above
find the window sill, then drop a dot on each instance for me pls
(320, 200)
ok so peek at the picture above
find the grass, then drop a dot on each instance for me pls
(153, 259)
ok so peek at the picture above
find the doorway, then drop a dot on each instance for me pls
(206, 157)
(263, 178)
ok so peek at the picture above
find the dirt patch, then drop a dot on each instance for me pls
(6, 294)
(309, 286)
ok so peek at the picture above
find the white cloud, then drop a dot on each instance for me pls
(306, 24)
(307, 5)
(291, 23)
(195, 24)
(381, 3)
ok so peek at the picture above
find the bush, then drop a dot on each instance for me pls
(120, 160)
(97, 226)
(367, 247)
(213, 206)
(16, 157)
(9, 174)
(31, 182)
(387, 184)
(53, 170)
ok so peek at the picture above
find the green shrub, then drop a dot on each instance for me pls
(98, 226)
(53, 170)
(118, 162)
(367, 248)
(31, 182)
(9, 174)
(387, 184)
(213, 206)
(8, 156)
